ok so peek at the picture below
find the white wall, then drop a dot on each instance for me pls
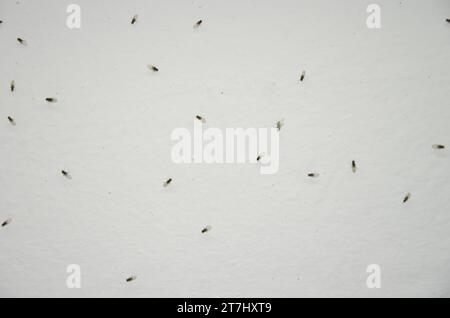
(380, 97)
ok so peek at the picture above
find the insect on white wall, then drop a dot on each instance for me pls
(66, 174)
(302, 77)
(198, 23)
(201, 119)
(407, 198)
(51, 100)
(7, 222)
(167, 183)
(131, 279)
(21, 41)
(206, 229)
(280, 124)
(354, 166)
(153, 68)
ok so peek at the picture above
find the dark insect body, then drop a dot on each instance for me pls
(153, 68)
(206, 229)
(131, 279)
(354, 166)
(66, 174)
(7, 222)
(302, 77)
(167, 183)
(280, 124)
(407, 197)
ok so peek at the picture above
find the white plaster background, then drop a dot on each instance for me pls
(380, 97)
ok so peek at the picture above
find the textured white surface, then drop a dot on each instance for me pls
(380, 97)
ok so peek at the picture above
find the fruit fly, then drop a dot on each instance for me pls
(7, 222)
(407, 197)
(200, 118)
(11, 120)
(313, 175)
(206, 229)
(131, 279)
(166, 184)
(12, 86)
(280, 124)
(198, 23)
(134, 20)
(66, 174)
(438, 147)
(302, 77)
(21, 41)
(354, 166)
(153, 68)
(51, 100)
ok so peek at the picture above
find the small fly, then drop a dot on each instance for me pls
(206, 229)
(7, 222)
(302, 77)
(280, 124)
(407, 197)
(66, 174)
(313, 175)
(354, 166)
(167, 183)
(51, 100)
(11, 120)
(21, 41)
(198, 23)
(258, 159)
(134, 20)
(448, 20)
(153, 68)
(201, 118)
(438, 147)
(131, 279)
(12, 86)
